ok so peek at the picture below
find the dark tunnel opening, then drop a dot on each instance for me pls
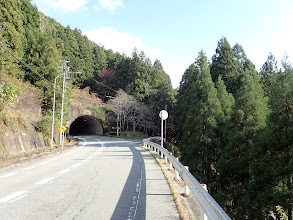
(86, 125)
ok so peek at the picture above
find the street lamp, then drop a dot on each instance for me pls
(53, 118)
(163, 115)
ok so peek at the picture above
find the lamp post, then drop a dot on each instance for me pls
(54, 100)
(163, 115)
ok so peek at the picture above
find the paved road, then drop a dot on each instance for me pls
(102, 178)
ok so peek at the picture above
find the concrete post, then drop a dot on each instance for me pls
(186, 188)
(170, 164)
(177, 173)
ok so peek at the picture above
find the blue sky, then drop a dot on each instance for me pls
(175, 31)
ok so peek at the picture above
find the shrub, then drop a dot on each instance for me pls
(9, 93)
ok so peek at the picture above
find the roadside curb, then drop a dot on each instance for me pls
(29, 157)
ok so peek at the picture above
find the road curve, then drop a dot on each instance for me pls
(102, 178)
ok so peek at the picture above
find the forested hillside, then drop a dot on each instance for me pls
(235, 130)
(233, 124)
(41, 42)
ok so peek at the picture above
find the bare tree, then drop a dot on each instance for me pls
(130, 111)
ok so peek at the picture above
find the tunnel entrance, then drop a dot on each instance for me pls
(86, 125)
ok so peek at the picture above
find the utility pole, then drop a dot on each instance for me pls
(53, 115)
(65, 70)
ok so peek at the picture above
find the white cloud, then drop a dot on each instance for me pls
(111, 4)
(60, 5)
(121, 42)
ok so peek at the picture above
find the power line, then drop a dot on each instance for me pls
(105, 86)
(9, 51)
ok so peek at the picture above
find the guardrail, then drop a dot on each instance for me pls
(210, 209)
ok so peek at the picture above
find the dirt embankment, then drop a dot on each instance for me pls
(18, 122)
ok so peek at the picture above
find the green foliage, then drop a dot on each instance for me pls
(132, 135)
(225, 64)
(45, 127)
(247, 121)
(9, 93)
(203, 114)
(100, 112)
(268, 74)
(280, 212)
(245, 126)
(11, 32)
(8, 118)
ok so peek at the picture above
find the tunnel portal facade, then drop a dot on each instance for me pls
(86, 125)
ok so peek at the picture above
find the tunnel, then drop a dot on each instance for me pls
(86, 125)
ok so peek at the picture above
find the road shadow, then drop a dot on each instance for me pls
(132, 202)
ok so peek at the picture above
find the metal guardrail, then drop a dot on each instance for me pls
(210, 208)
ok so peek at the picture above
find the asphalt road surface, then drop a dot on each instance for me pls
(102, 178)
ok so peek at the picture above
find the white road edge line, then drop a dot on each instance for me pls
(47, 180)
(135, 200)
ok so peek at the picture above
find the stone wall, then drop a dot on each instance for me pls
(17, 140)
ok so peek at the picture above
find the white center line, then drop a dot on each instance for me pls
(8, 174)
(47, 180)
(76, 165)
(29, 168)
(53, 159)
(44, 163)
(64, 171)
(13, 196)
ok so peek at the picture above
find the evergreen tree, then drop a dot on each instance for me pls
(281, 138)
(268, 74)
(202, 124)
(183, 101)
(11, 33)
(99, 58)
(242, 59)
(71, 49)
(225, 64)
(84, 60)
(247, 121)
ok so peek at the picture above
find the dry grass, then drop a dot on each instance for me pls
(28, 106)
(82, 98)
(187, 207)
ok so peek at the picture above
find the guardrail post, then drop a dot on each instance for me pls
(166, 159)
(209, 209)
(203, 215)
(177, 173)
(170, 164)
(186, 188)
(162, 156)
